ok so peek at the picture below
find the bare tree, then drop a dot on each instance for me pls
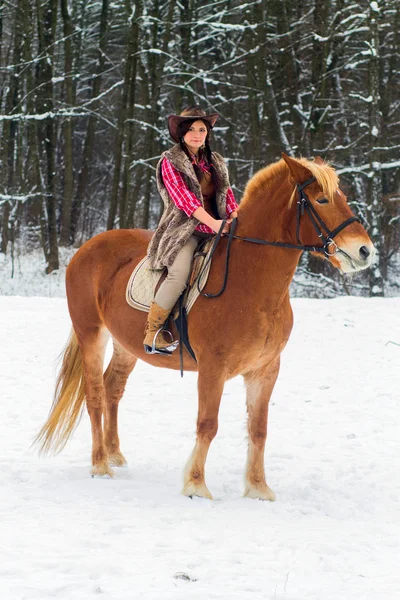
(85, 97)
(86, 159)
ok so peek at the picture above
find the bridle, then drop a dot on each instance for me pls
(303, 205)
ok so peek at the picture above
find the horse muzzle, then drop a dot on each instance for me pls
(352, 257)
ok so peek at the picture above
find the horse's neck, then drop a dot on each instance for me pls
(267, 216)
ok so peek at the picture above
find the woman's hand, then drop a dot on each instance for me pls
(233, 215)
(218, 224)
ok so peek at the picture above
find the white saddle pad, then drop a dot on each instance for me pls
(142, 284)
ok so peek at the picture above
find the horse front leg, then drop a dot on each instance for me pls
(259, 386)
(210, 388)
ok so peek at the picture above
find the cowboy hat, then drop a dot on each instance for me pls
(193, 113)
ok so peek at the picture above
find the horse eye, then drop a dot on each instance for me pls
(322, 200)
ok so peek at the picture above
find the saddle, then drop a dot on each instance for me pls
(144, 282)
(197, 280)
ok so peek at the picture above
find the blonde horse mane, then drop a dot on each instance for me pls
(325, 175)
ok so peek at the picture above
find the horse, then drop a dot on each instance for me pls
(241, 332)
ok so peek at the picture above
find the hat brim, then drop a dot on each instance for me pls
(175, 120)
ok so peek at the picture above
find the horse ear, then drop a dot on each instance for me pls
(298, 171)
(319, 161)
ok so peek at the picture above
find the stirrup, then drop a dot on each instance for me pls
(167, 351)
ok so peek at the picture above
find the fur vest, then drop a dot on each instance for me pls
(175, 228)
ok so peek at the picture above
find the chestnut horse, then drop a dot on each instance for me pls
(242, 332)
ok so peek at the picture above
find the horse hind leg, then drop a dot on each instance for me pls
(93, 344)
(115, 378)
(259, 386)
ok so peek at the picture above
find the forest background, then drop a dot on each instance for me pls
(86, 88)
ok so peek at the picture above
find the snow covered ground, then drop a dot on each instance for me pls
(332, 459)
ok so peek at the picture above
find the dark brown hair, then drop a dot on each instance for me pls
(204, 153)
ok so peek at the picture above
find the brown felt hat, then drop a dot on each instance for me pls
(193, 113)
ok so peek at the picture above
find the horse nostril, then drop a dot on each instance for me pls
(364, 252)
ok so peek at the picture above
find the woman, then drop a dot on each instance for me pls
(194, 185)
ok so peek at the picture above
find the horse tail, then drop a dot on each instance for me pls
(69, 398)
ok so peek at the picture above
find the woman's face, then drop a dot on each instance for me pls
(196, 136)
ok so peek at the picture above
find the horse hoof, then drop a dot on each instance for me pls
(201, 491)
(260, 494)
(117, 460)
(123, 465)
(102, 472)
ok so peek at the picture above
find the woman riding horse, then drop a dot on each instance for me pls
(194, 186)
(289, 207)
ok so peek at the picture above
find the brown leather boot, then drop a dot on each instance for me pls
(155, 341)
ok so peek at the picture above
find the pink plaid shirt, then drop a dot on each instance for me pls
(184, 198)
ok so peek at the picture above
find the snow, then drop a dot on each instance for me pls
(226, 26)
(25, 275)
(320, 38)
(42, 116)
(376, 289)
(57, 79)
(367, 100)
(332, 459)
(17, 197)
(364, 168)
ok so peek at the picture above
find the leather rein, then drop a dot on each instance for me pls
(303, 205)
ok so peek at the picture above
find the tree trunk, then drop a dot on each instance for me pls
(128, 201)
(47, 21)
(35, 220)
(152, 85)
(83, 177)
(65, 233)
(10, 128)
(125, 112)
(320, 48)
(374, 191)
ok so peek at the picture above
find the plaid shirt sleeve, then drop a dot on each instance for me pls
(177, 189)
(231, 204)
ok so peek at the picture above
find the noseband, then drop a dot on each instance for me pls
(303, 205)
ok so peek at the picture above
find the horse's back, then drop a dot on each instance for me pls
(112, 247)
(102, 264)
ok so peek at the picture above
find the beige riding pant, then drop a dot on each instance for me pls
(178, 274)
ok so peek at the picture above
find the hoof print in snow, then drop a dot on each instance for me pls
(184, 576)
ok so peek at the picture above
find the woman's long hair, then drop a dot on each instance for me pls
(204, 153)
